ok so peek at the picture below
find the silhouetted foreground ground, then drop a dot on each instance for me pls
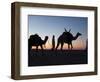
(58, 57)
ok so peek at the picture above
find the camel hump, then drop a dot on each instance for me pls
(35, 37)
(67, 35)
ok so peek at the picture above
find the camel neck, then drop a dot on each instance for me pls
(75, 37)
(45, 40)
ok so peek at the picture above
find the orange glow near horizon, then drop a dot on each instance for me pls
(77, 45)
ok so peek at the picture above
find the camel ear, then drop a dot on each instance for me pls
(65, 30)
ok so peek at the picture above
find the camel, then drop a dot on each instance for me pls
(53, 42)
(35, 40)
(67, 37)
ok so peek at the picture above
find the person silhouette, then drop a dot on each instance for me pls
(53, 42)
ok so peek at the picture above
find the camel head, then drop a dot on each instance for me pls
(46, 37)
(45, 40)
(79, 34)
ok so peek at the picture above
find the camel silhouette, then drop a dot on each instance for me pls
(35, 40)
(67, 37)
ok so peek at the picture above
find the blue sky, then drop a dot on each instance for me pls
(54, 25)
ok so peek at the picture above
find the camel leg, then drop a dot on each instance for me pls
(41, 47)
(68, 46)
(36, 47)
(57, 45)
(62, 45)
(71, 46)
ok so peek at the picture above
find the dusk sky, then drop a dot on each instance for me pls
(54, 25)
